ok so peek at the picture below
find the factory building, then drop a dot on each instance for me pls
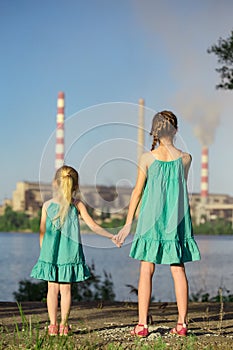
(27, 198)
(114, 203)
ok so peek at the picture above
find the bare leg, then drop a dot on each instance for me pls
(65, 290)
(181, 290)
(144, 290)
(52, 301)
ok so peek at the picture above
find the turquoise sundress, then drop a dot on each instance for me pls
(164, 233)
(61, 257)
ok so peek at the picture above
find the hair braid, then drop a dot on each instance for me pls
(154, 143)
(163, 124)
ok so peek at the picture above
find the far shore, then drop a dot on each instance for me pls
(90, 232)
(30, 232)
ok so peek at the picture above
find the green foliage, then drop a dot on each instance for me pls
(29, 291)
(203, 296)
(18, 221)
(114, 223)
(34, 223)
(13, 221)
(216, 227)
(95, 288)
(224, 52)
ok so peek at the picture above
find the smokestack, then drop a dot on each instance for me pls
(140, 128)
(59, 161)
(204, 174)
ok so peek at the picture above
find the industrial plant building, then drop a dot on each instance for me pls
(111, 203)
(29, 196)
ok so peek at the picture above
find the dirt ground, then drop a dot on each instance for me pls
(210, 324)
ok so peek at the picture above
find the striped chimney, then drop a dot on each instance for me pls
(59, 161)
(204, 174)
(140, 128)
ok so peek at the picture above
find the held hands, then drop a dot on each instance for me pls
(122, 234)
(115, 241)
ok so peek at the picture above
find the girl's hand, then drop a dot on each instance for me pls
(123, 233)
(115, 241)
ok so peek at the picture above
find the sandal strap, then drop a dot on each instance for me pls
(182, 324)
(53, 326)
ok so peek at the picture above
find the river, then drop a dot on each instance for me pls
(19, 252)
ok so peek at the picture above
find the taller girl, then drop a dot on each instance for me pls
(164, 233)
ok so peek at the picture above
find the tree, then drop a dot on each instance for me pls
(13, 221)
(29, 291)
(34, 223)
(224, 51)
(94, 288)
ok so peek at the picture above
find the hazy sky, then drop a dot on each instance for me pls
(108, 54)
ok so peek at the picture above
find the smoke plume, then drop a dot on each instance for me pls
(184, 44)
(203, 114)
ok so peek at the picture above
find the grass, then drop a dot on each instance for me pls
(28, 338)
(29, 334)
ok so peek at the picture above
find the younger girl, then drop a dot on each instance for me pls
(61, 259)
(164, 232)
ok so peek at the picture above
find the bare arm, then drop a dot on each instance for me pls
(134, 200)
(42, 224)
(187, 160)
(90, 222)
(136, 195)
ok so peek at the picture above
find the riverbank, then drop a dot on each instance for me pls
(88, 232)
(95, 325)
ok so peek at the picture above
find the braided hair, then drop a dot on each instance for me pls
(164, 124)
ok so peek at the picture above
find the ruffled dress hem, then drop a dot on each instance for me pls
(66, 273)
(164, 251)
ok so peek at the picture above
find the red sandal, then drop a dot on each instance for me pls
(64, 330)
(182, 332)
(143, 333)
(53, 330)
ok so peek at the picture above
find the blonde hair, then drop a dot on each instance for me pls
(164, 124)
(66, 183)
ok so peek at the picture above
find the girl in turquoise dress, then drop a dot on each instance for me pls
(164, 233)
(61, 261)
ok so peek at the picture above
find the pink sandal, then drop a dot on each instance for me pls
(64, 330)
(143, 333)
(182, 332)
(53, 330)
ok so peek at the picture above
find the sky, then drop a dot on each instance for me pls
(106, 55)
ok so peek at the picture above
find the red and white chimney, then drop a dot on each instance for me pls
(59, 161)
(204, 174)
